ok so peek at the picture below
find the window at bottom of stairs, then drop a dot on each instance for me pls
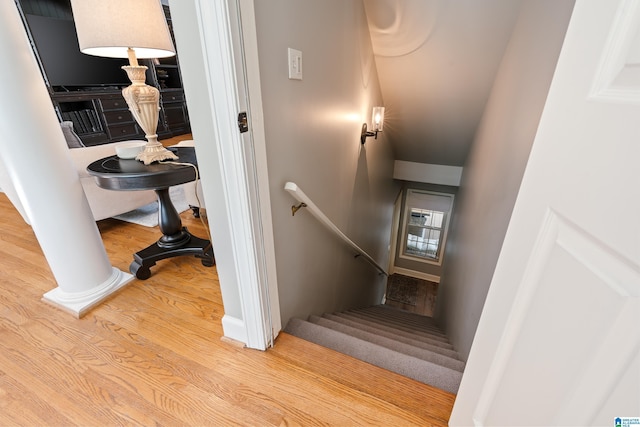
(425, 226)
(423, 233)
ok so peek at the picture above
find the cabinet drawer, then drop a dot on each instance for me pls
(125, 130)
(118, 117)
(113, 104)
(174, 115)
(169, 97)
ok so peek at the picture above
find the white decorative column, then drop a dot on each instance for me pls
(36, 156)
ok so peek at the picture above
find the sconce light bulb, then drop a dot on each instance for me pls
(378, 119)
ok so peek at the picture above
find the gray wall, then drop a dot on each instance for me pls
(312, 132)
(495, 166)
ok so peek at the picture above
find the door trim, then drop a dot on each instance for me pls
(212, 87)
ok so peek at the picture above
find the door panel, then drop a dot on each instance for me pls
(580, 289)
(559, 338)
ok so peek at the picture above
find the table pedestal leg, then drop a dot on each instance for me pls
(175, 241)
(173, 236)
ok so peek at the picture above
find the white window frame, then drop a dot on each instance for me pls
(445, 228)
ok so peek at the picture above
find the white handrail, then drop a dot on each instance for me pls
(293, 189)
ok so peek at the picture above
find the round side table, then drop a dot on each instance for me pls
(113, 173)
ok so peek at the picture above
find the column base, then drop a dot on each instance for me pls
(79, 303)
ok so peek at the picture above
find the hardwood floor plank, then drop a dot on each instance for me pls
(153, 355)
(190, 373)
(409, 395)
(321, 395)
(63, 400)
(129, 409)
(26, 406)
(148, 378)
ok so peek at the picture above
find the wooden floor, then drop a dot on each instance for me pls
(425, 301)
(153, 354)
(174, 140)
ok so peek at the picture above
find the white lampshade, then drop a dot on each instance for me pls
(109, 27)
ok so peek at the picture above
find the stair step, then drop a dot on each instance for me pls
(420, 370)
(406, 333)
(391, 343)
(403, 315)
(393, 335)
(398, 326)
(431, 332)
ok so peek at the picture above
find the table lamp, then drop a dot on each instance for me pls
(129, 29)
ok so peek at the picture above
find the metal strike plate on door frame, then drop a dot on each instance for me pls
(243, 122)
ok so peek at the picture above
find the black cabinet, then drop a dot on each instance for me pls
(174, 111)
(103, 116)
(119, 122)
(96, 108)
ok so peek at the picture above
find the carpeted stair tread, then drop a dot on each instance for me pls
(399, 329)
(398, 315)
(402, 315)
(431, 332)
(393, 335)
(390, 343)
(420, 370)
(406, 333)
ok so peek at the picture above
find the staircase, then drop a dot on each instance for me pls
(393, 339)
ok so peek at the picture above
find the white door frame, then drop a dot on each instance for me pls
(243, 29)
(237, 204)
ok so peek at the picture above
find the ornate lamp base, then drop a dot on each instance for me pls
(154, 151)
(143, 101)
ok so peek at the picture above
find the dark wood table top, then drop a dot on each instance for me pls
(114, 173)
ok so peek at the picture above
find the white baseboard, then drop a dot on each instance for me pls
(416, 274)
(234, 329)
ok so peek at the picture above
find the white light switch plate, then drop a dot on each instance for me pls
(295, 64)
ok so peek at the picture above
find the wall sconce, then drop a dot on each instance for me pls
(377, 121)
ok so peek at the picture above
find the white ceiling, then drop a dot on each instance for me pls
(436, 61)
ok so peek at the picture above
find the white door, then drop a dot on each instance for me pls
(558, 342)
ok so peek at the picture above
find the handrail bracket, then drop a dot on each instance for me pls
(295, 208)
